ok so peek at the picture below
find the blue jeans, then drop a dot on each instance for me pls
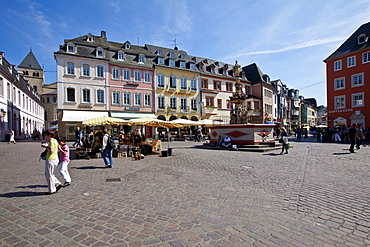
(108, 160)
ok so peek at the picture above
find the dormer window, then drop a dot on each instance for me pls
(362, 39)
(171, 63)
(89, 38)
(121, 55)
(159, 52)
(182, 56)
(171, 54)
(141, 59)
(127, 46)
(71, 47)
(100, 52)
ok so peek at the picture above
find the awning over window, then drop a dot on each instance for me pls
(126, 115)
(80, 116)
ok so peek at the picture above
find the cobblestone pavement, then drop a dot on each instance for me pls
(317, 195)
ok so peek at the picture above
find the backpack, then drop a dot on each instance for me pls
(110, 143)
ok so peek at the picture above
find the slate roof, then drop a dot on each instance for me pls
(254, 74)
(351, 44)
(88, 49)
(30, 62)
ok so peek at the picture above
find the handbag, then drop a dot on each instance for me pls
(43, 155)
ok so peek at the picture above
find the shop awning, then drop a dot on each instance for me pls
(80, 116)
(127, 115)
(106, 121)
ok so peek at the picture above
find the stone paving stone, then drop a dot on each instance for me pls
(314, 197)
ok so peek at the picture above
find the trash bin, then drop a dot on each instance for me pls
(164, 153)
(169, 151)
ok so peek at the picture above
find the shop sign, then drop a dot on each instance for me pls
(132, 108)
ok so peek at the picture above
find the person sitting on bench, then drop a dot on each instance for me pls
(227, 142)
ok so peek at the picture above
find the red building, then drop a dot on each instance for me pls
(348, 80)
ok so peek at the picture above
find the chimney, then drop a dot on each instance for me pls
(103, 34)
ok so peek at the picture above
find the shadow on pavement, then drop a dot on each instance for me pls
(341, 153)
(89, 167)
(272, 154)
(32, 186)
(22, 194)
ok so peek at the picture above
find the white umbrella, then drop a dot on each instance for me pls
(53, 127)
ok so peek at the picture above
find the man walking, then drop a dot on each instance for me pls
(352, 136)
(107, 150)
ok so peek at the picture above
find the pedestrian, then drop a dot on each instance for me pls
(51, 162)
(352, 137)
(360, 135)
(64, 161)
(11, 136)
(107, 151)
(219, 141)
(78, 136)
(284, 138)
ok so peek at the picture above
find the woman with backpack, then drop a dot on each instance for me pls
(107, 149)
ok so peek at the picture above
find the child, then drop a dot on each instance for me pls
(64, 161)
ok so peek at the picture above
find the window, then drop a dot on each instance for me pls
(339, 102)
(147, 99)
(219, 103)
(267, 93)
(339, 83)
(141, 59)
(362, 39)
(172, 81)
(70, 48)
(100, 52)
(366, 57)
(159, 52)
(338, 65)
(161, 102)
(115, 73)
(54, 99)
(183, 83)
(160, 80)
(86, 70)
(209, 101)
(357, 99)
(351, 61)
(137, 75)
(357, 80)
(147, 77)
(192, 66)
(161, 60)
(121, 56)
(137, 99)
(193, 84)
(248, 89)
(86, 95)
(47, 100)
(115, 98)
(70, 94)
(171, 54)
(127, 46)
(173, 101)
(182, 64)
(70, 68)
(126, 74)
(171, 62)
(193, 103)
(228, 104)
(99, 71)
(100, 96)
(184, 104)
(217, 85)
(205, 83)
(126, 98)
(229, 86)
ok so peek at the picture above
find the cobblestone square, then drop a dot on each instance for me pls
(317, 195)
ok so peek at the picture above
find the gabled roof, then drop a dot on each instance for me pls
(351, 44)
(254, 73)
(30, 62)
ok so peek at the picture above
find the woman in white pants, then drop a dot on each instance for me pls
(51, 162)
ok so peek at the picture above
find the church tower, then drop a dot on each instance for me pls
(32, 72)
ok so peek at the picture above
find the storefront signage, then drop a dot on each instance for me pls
(132, 108)
(341, 110)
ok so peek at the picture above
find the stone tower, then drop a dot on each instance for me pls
(32, 72)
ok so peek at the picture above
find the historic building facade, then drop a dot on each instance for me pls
(20, 105)
(348, 80)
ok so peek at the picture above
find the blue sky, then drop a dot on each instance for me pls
(287, 39)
